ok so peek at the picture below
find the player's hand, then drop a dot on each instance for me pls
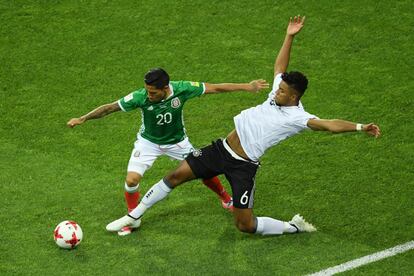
(295, 25)
(372, 129)
(74, 122)
(257, 85)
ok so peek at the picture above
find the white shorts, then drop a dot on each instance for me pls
(146, 152)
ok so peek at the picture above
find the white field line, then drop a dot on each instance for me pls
(366, 259)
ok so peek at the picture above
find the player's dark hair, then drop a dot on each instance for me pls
(157, 77)
(296, 80)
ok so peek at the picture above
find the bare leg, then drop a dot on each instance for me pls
(180, 175)
(244, 220)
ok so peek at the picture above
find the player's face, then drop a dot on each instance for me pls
(155, 94)
(284, 95)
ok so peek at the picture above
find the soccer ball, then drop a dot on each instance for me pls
(68, 234)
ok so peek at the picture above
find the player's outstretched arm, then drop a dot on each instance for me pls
(282, 60)
(339, 126)
(98, 112)
(253, 86)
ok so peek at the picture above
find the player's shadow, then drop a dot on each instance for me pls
(176, 216)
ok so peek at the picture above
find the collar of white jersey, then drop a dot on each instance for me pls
(172, 92)
(299, 106)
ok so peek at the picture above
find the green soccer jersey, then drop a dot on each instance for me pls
(162, 122)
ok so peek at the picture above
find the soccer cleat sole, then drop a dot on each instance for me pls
(125, 231)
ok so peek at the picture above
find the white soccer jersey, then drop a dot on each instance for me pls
(266, 125)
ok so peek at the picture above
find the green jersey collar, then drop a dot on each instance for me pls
(172, 92)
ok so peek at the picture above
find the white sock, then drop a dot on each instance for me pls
(270, 226)
(131, 190)
(157, 192)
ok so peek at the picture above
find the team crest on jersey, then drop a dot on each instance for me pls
(175, 103)
(136, 154)
(197, 153)
(150, 108)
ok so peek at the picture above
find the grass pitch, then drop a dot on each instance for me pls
(60, 59)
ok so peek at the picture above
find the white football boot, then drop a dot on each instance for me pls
(118, 224)
(299, 222)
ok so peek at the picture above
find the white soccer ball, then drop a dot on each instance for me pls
(68, 234)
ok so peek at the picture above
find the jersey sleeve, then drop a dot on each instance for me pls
(131, 101)
(302, 120)
(192, 89)
(275, 87)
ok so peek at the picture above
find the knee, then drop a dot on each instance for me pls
(180, 175)
(246, 226)
(174, 178)
(132, 180)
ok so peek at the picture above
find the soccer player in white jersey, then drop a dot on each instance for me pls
(162, 131)
(256, 129)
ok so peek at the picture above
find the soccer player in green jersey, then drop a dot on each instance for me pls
(162, 131)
